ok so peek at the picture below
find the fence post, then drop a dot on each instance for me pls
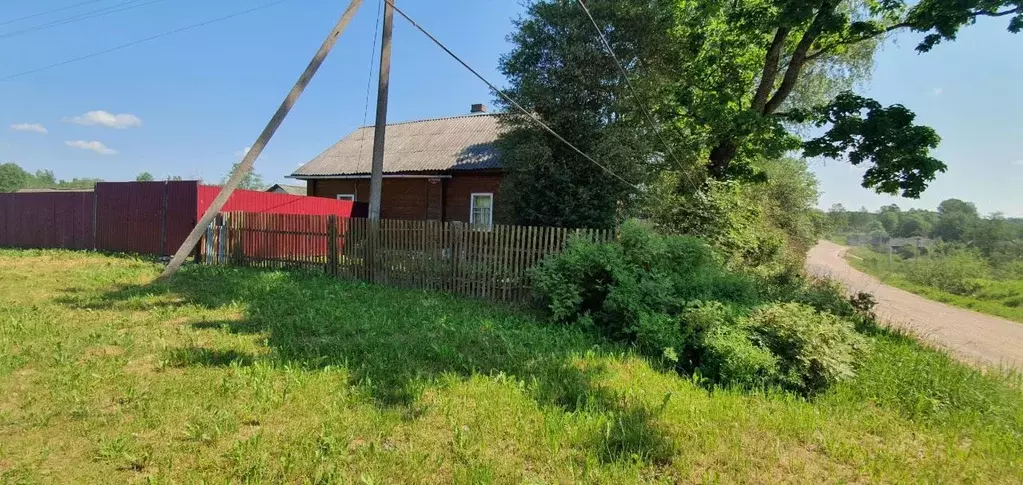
(238, 236)
(332, 263)
(163, 221)
(95, 208)
(456, 253)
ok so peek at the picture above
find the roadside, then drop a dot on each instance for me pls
(972, 336)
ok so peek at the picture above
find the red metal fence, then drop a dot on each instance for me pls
(47, 220)
(136, 217)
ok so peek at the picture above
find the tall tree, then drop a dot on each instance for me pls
(13, 177)
(797, 33)
(558, 71)
(144, 177)
(251, 181)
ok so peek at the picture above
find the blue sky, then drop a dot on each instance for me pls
(191, 102)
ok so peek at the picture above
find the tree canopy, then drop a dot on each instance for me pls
(728, 82)
(251, 181)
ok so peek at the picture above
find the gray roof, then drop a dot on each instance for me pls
(459, 143)
(289, 189)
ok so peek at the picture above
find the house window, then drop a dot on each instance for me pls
(346, 197)
(481, 212)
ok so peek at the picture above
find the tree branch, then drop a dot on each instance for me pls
(788, 83)
(1000, 14)
(770, 74)
(856, 40)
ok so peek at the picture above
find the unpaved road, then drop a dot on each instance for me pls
(974, 337)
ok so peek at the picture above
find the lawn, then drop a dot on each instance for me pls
(247, 375)
(1001, 298)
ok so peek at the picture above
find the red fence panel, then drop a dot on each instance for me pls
(271, 203)
(182, 198)
(129, 217)
(47, 220)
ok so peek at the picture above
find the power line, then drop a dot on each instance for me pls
(508, 98)
(48, 12)
(147, 39)
(121, 7)
(635, 94)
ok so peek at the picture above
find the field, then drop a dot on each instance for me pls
(1001, 298)
(260, 376)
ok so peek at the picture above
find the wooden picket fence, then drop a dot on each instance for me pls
(430, 255)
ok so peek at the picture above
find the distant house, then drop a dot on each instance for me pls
(288, 189)
(444, 169)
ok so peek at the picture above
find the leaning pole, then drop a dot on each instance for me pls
(250, 158)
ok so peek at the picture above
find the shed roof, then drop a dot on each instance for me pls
(289, 189)
(443, 144)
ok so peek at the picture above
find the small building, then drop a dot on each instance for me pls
(444, 169)
(287, 189)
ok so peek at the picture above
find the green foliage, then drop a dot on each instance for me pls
(815, 350)
(558, 73)
(730, 357)
(252, 180)
(12, 177)
(144, 177)
(954, 271)
(670, 298)
(613, 286)
(886, 137)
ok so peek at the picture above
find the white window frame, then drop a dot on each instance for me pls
(346, 197)
(472, 208)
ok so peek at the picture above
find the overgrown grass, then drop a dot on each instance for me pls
(244, 375)
(1001, 298)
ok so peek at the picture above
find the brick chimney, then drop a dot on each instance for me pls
(478, 108)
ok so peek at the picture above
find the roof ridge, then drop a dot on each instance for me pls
(440, 118)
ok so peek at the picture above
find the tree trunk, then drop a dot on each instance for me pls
(720, 158)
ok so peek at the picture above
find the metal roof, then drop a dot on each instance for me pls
(289, 189)
(443, 144)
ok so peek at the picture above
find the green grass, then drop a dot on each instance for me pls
(1001, 298)
(246, 375)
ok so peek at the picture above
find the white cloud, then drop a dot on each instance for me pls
(1018, 162)
(104, 118)
(939, 91)
(33, 127)
(95, 146)
(243, 151)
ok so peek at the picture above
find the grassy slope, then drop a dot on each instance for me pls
(268, 376)
(992, 299)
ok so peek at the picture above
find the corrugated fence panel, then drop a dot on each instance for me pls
(129, 217)
(46, 220)
(180, 218)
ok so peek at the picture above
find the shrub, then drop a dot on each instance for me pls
(814, 349)
(616, 285)
(671, 298)
(729, 357)
(955, 272)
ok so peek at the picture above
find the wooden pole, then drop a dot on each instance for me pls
(257, 147)
(376, 180)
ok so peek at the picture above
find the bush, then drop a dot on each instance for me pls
(814, 349)
(673, 299)
(731, 358)
(955, 273)
(643, 274)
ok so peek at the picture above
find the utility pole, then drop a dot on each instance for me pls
(376, 180)
(250, 158)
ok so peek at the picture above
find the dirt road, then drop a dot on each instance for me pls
(972, 336)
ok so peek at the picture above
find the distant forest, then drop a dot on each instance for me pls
(998, 238)
(14, 178)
